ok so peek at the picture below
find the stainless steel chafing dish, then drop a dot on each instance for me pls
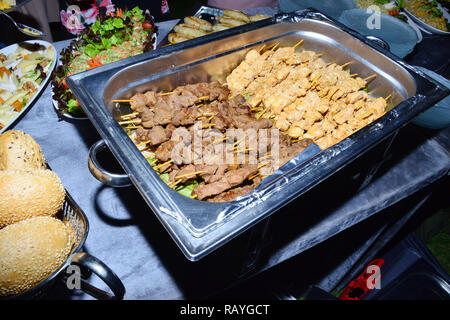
(200, 227)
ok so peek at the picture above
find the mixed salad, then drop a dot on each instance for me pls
(21, 75)
(112, 37)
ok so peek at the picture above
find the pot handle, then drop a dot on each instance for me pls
(91, 264)
(379, 42)
(102, 175)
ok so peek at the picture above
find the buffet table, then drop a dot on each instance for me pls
(126, 236)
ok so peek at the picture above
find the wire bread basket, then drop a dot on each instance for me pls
(72, 215)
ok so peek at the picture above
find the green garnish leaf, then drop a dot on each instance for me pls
(91, 50)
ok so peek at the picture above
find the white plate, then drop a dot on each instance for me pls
(426, 27)
(49, 69)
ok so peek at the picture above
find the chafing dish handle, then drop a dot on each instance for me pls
(92, 264)
(102, 175)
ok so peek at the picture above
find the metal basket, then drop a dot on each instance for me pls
(72, 214)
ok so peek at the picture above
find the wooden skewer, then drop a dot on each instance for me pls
(237, 142)
(369, 77)
(275, 46)
(173, 184)
(136, 121)
(208, 125)
(319, 55)
(263, 165)
(203, 98)
(298, 43)
(153, 162)
(165, 93)
(193, 196)
(163, 164)
(253, 176)
(353, 75)
(243, 150)
(132, 127)
(122, 100)
(388, 97)
(143, 143)
(260, 49)
(261, 114)
(188, 174)
(130, 115)
(264, 157)
(346, 64)
(223, 139)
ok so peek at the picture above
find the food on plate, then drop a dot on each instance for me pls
(257, 17)
(30, 251)
(230, 21)
(219, 27)
(429, 12)
(237, 15)
(188, 31)
(21, 74)
(159, 118)
(198, 23)
(28, 193)
(114, 37)
(7, 4)
(176, 38)
(19, 150)
(194, 27)
(305, 97)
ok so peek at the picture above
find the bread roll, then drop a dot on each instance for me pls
(30, 251)
(230, 21)
(176, 38)
(235, 14)
(18, 150)
(188, 32)
(198, 23)
(28, 193)
(258, 17)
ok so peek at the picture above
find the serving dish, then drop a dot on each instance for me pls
(48, 70)
(200, 227)
(425, 26)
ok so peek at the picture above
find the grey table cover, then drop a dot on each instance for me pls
(126, 235)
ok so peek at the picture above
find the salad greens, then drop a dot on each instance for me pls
(110, 38)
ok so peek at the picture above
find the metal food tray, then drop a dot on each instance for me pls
(204, 12)
(200, 227)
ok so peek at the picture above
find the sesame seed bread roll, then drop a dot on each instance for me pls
(29, 193)
(238, 15)
(198, 23)
(19, 150)
(30, 251)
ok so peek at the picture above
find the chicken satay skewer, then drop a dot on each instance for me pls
(370, 77)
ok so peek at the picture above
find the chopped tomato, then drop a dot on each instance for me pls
(147, 25)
